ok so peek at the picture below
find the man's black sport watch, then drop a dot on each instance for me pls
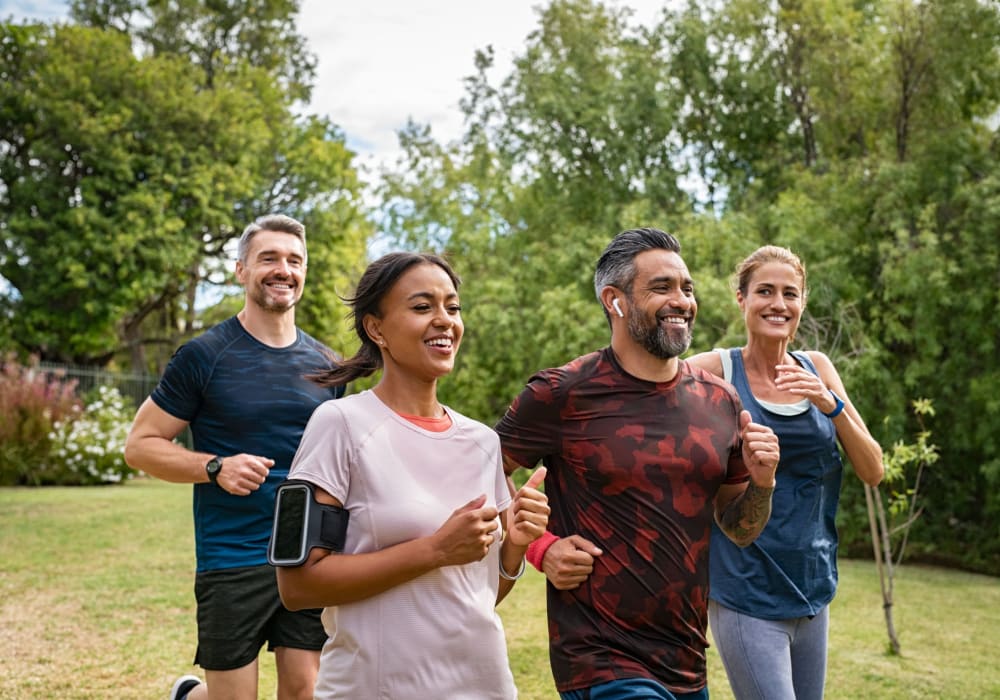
(213, 468)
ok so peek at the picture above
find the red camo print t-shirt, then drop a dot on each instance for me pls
(633, 466)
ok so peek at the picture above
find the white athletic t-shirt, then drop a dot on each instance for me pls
(437, 636)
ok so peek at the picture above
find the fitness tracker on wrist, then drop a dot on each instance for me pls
(213, 468)
(838, 407)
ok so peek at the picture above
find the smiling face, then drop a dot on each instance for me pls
(274, 271)
(773, 302)
(662, 306)
(419, 326)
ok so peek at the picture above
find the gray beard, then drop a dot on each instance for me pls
(657, 341)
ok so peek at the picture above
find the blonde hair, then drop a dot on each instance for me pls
(769, 254)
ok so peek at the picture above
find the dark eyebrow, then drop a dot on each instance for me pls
(670, 278)
(430, 297)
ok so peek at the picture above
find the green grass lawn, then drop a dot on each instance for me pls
(96, 601)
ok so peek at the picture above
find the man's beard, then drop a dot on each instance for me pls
(661, 342)
(268, 303)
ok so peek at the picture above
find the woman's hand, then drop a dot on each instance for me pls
(467, 534)
(798, 380)
(528, 514)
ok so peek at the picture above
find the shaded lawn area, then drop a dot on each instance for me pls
(96, 601)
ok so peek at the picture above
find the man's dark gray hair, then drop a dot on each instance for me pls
(270, 222)
(616, 266)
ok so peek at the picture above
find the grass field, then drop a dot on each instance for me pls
(96, 602)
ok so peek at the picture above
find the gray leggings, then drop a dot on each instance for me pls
(771, 659)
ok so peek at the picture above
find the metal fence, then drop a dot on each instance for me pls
(135, 387)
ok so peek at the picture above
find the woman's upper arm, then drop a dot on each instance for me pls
(708, 361)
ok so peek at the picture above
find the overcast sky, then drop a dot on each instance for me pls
(384, 61)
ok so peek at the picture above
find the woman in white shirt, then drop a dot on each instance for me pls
(435, 537)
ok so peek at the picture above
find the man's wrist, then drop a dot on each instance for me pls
(213, 467)
(760, 491)
(537, 549)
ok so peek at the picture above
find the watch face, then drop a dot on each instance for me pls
(213, 468)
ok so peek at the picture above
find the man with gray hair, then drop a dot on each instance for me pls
(243, 390)
(643, 451)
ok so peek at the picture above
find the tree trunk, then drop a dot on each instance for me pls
(883, 559)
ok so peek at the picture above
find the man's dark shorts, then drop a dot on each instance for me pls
(239, 609)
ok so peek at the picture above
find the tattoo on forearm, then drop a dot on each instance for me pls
(747, 515)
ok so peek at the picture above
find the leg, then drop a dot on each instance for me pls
(234, 606)
(754, 652)
(297, 670)
(296, 639)
(809, 655)
(238, 684)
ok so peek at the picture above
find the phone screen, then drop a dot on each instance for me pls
(290, 524)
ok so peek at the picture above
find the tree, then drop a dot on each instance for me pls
(551, 160)
(862, 135)
(175, 144)
(98, 174)
(891, 532)
(219, 36)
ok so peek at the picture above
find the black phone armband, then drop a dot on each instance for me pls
(301, 523)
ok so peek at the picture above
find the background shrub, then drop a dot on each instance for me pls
(31, 403)
(87, 447)
(50, 435)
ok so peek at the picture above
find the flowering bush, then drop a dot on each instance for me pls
(87, 447)
(31, 401)
(48, 435)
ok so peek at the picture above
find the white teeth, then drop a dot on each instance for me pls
(775, 319)
(676, 320)
(440, 342)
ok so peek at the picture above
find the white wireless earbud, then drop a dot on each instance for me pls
(617, 308)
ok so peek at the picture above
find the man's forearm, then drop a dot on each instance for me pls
(747, 514)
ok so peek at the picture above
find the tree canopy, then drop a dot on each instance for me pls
(136, 144)
(862, 135)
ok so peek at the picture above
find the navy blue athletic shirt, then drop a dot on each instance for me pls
(240, 395)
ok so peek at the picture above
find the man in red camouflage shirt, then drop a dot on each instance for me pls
(642, 451)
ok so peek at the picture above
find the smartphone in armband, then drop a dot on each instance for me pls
(301, 523)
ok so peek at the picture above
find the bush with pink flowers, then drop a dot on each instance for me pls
(50, 435)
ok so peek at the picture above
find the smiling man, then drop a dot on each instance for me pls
(242, 389)
(643, 452)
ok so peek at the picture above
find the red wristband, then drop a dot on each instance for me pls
(538, 548)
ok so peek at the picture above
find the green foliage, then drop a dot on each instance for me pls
(102, 177)
(552, 159)
(218, 36)
(905, 463)
(862, 136)
(135, 147)
(31, 403)
(904, 455)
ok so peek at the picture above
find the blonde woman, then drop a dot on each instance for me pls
(769, 602)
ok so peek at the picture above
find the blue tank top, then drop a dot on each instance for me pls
(790, 570)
